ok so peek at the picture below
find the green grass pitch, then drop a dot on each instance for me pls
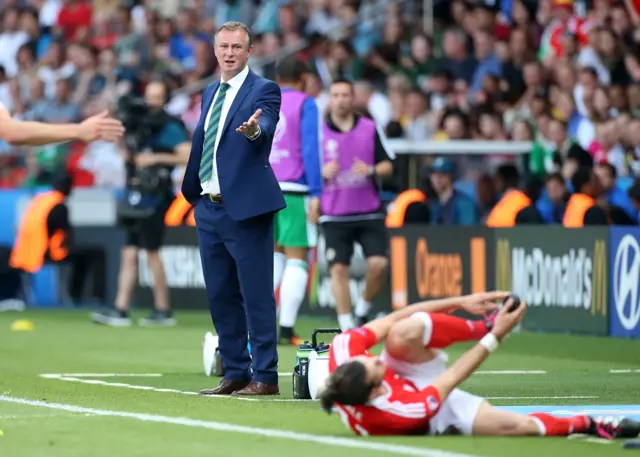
(92, 414)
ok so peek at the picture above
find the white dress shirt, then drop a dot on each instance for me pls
(212, 185)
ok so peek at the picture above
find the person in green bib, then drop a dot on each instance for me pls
(295, 159)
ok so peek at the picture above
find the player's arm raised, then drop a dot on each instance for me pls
(475, 303)
(473, 358)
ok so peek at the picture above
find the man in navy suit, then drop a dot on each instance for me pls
(235, 193)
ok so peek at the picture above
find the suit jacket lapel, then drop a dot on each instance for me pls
(237, 101)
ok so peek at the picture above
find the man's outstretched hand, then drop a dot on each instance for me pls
(100, 127)
(250, 128)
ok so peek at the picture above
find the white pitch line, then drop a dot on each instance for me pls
(580, 397)
(589, 439)
(505, 372)
(100, 382)
(326, 440)
(623, 371)
(103, 375)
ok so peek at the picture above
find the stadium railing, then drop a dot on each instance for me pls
(415, 150)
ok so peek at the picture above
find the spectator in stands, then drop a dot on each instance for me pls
(439, 89)
(530, 214)
(74, 19)
(422, 62)
(11, 38)
(372, 101)
(457, 59)
(552, 208)
(576, 158)
(486, 196)
(344, 63)
(131, 47)
(546, 158)
(418, 126)
(512, 200)
(621, 207)
(634, 195)
(582, 208)
(451, 206)
(488, 62)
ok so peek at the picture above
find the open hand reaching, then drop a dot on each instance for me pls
(251, 127)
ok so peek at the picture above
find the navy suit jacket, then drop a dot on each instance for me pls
(248, 185)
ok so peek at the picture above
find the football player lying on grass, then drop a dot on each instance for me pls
(408, 390)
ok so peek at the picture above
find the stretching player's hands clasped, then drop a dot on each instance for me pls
(360, 168)
(314, 210)
(483, 302)
(506, 321)
(100, 127)
(250, 128)
(330, 170)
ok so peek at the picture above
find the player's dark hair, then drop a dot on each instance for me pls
(343, 81)
(347, 385)
(291, 70)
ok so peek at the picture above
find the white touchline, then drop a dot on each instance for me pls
(352, 443)
(100, 382)
(103, 375)
(511, 372)
(543, 398)
(623, 371)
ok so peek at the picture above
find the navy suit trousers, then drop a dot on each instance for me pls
(237, 262)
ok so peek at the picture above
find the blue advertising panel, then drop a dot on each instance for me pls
(625, 282)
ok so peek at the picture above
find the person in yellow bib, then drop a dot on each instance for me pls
(582, 208)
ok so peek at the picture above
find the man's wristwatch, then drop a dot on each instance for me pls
(255, 135)
(372, 171)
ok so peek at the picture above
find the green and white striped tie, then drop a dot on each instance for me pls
(206, 163)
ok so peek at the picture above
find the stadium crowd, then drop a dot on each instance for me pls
(565, 76)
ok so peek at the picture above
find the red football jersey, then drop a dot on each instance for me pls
(404, 410)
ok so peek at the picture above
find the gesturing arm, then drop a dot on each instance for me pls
(37, 133)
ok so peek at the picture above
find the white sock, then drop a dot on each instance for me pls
(362, 307)
(279, 262)
(292, 291)
(346, 322)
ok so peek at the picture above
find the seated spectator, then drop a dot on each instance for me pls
(552, 207)
(621, 207)
(576, 158)
(634, 195)
(530, 214)
(545, 158)
(450, 207)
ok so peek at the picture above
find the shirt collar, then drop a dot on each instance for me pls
(238, 79)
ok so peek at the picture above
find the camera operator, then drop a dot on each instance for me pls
(156, 142)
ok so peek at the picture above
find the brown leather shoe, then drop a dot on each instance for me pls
(226, 387)
(257, 388)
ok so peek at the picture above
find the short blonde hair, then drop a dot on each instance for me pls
(233, 26)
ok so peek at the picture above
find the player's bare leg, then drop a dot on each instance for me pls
(342, 295)
(374, 280)
(490, 421)
(412, 340)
